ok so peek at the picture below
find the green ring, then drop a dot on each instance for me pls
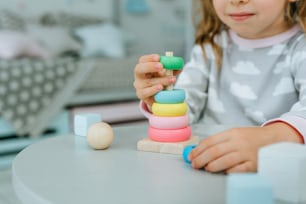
(172, 63)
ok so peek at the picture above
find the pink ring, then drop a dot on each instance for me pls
(175, 135)
(160, 122)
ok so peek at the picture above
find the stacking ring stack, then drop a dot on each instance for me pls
(169, 122)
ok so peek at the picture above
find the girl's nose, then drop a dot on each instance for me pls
(236, 2)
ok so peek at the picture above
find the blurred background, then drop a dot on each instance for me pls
(63, 57)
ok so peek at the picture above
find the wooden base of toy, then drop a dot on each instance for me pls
(149, 145)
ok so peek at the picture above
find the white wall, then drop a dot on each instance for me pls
(163, 28)
(36, 7)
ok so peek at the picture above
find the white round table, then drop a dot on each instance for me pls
(65, 170)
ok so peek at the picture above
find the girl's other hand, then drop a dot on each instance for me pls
(236, 150)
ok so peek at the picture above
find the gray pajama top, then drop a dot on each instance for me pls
(260, 81)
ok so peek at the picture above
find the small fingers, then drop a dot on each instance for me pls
(246, 166)
(177, 72)
(149, 58)
(142, 69)
(148, 92)
(150, 77)
(207, 143)
(212, 154)
(227, 161)
(158, 82)
(149, 102)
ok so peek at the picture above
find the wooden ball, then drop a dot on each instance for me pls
(100, 135)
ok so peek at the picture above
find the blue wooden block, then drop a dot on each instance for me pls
(83, 121)
(284, 165)
(248, 188)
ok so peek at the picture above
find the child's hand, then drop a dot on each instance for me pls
(150, 78)
(236, 150)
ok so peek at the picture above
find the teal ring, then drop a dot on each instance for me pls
(170, 96)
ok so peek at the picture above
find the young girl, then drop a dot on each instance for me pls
(247, 70)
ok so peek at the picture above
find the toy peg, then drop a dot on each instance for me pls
(169, 72)
(171, 63)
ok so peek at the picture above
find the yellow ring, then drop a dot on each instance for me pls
(169, 110)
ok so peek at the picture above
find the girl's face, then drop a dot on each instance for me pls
(253, 19)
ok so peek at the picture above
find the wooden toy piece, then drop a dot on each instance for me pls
(169, 135)
(169, 110)
(248, 188)
(168, 123)
(171, 63)
(83, 121)
(169, 72)
(149, 145)
(100, 135)
(284, 165)
(170, 97)
(186, 152)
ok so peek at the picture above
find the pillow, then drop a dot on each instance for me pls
(101, 40)
(68, 19)
(15, 44)
(11, 21)
(56, 39)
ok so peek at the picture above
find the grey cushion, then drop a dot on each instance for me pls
(68, 20)
(11, 21)
(62, 42)
(31, 91)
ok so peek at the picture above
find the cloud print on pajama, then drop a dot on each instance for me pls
(242, 91)
(283, 87)
(277, 49)
(214, 103)
(240, 68)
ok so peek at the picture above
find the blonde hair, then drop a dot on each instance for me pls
(208, 25)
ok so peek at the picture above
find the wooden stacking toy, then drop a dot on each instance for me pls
(169, 130)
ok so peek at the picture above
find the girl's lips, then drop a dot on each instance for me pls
(241, 16)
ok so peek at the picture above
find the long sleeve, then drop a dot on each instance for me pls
(296, 117)
(194, 80)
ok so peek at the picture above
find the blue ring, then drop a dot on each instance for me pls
(170, 96)
(187, 151)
